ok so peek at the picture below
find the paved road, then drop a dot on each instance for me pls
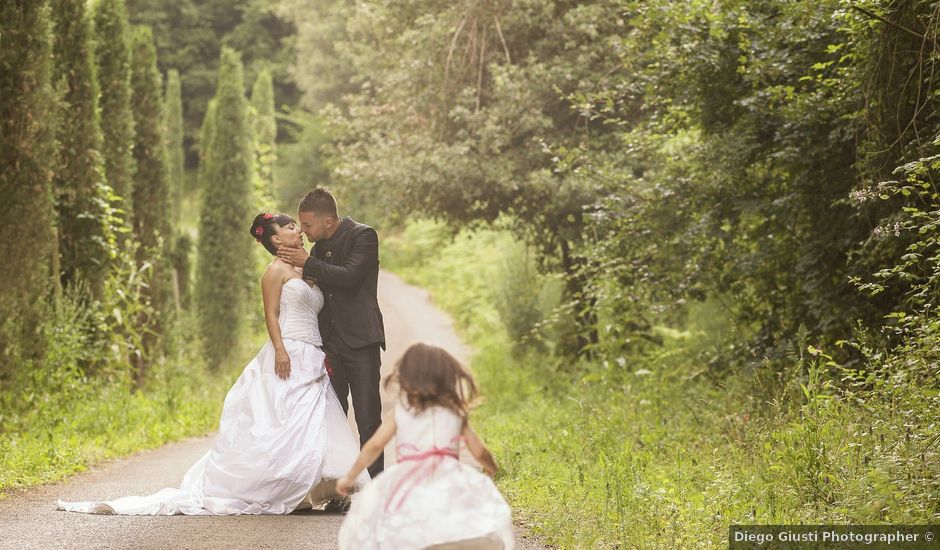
(29, 519)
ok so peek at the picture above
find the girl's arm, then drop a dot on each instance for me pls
(370, 451)
(479, 450)
(271, 283)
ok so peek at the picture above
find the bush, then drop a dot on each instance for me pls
(517, 296)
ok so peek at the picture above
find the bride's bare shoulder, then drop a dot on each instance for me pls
(276, 271)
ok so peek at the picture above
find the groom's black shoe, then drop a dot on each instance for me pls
(338, 504)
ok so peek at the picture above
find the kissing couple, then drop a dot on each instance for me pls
(283, 438)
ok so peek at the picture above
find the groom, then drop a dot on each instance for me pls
(345, 265)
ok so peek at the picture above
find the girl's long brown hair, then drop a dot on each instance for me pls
(429, 375)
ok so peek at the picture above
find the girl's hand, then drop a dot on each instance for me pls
(282, 364)
(345, 486)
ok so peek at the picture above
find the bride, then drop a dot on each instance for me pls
(283, 440)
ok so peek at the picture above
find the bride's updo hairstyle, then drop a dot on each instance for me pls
(266, 225)
(428, 375)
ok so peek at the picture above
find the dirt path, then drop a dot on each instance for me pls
(29, 519)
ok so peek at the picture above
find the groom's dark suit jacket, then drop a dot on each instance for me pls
(346, 268)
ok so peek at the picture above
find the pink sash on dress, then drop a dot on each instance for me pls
(415, 475)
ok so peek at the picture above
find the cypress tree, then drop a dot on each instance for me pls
(206, 133)
(151, 189)
(82, 195)
(225, 249)
(181, 263)
(27, 150)
(173, 126)
(112, 55)
(151, 193)
(264, 132)
(173, 122)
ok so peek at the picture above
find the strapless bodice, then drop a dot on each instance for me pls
(434, 427)
(300, 304)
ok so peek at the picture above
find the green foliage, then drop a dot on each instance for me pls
(518, 297)
(916, 272)
(27, 151)
(302, 165)
(264, 134)
(225, 252)
(173, 126)
(117, 330)
(320, 69)
(737, 184)
(86, 239)
(151, 223)
(456, 122)
(206, 135)
(521, 299)
(180, 259)
(449, 124)
(190, 35)
(152, 178)
(654, 153)
(112, 56)
(405, 253)
(911, 350)
(264, 125)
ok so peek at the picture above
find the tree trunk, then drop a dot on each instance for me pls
(577, 339)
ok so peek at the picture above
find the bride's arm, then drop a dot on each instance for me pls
(271, 283)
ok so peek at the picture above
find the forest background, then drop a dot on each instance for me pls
(693, 244)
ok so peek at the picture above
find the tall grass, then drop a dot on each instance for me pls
(647, 451)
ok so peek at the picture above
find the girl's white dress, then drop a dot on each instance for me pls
(282, 444)
(429, 497)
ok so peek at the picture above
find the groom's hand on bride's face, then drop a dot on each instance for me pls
(294, 256)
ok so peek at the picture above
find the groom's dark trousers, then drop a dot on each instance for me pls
(346, 268)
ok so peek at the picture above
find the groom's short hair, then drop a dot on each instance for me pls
(318, 201)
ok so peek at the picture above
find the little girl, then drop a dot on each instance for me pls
(429, 497)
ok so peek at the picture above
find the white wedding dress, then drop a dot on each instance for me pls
(281, 445)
